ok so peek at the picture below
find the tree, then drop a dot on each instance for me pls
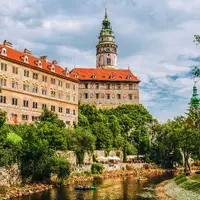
(52, 117)
(81, 141)
(104, 136)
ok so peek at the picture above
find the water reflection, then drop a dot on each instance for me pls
(109, 189)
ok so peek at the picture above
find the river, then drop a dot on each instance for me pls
(109, 189)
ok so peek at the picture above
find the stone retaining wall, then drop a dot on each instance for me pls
(10, 176)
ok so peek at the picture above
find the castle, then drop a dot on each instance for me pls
(30, 84)
(106, 86)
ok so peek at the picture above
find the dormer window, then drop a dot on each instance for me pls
(52, 68)
(129, 76)
(26, 59)
(76, 75)
(111, 76)
(39, 63)
(3, 51)
(93, 75)
(66, 72)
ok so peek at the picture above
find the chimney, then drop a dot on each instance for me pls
(54, 62)
(6, 43)
(28, 52)
(66, 72)
(45, 58)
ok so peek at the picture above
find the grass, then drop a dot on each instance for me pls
(191, 183)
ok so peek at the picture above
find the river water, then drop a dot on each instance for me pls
(109, 189)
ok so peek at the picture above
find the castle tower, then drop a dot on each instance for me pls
(106, 49)
(195, 100)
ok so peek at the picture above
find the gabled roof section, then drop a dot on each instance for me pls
(15, 56)
(104, 74)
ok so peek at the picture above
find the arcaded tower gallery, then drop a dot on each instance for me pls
(106, 86)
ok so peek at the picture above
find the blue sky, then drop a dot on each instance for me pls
(155, 38)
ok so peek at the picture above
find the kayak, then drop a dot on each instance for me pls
(85, 188)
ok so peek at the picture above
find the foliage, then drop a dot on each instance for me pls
(97, 168)
(81, 141)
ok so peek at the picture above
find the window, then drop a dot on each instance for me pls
(26, 73)
(14, 84)
(67, 85)
(35, 118)
(109, 61)
(53, 108)
(2, 99)
(25, 117)
(68, 97)
(3, 52)
(60, 109)
(44, 106)
(119, 96)
(86, 95)
(53, 94)
(35, 90)
(53, 81)
(60, 83)
(44, 91)
(40, 64)
(44, 78)
(74, 87)
(97, 96)
(108, 86)
(130, 86)
(14, 101)
(67, 111)
(25, 103)
(67, 123)
(3, 67)
(130, 96)
(35, 105)
(60, 95)
(35, 76)
(3, 82)
(15, 70)
(26, 87)
(97, 86)
(26, 59)
(108, 96)
(86, 85)
(118, 86)
(74, 98)
(74, 112)
(52, 68)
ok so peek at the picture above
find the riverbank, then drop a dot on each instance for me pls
(25, 190)
(180, 188)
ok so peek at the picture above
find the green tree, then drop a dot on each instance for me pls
(81, 141)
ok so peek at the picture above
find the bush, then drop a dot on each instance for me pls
(97, 168)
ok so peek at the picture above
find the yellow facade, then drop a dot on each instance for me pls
(26, 91)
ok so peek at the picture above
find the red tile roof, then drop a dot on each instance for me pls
(17, 56)
(104, 74)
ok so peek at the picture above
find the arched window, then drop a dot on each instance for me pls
(26, 59)
(52, 68)
(109, 61)
(39, 63)
(101, 60)
(3, 52)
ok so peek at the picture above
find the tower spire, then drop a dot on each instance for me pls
(106, 14)
(195, 100)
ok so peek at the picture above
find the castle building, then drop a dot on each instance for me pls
(29, 84)
(106, 86)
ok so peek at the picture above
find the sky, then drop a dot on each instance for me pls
(154, 38)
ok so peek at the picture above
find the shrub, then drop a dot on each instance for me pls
(97, 168)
